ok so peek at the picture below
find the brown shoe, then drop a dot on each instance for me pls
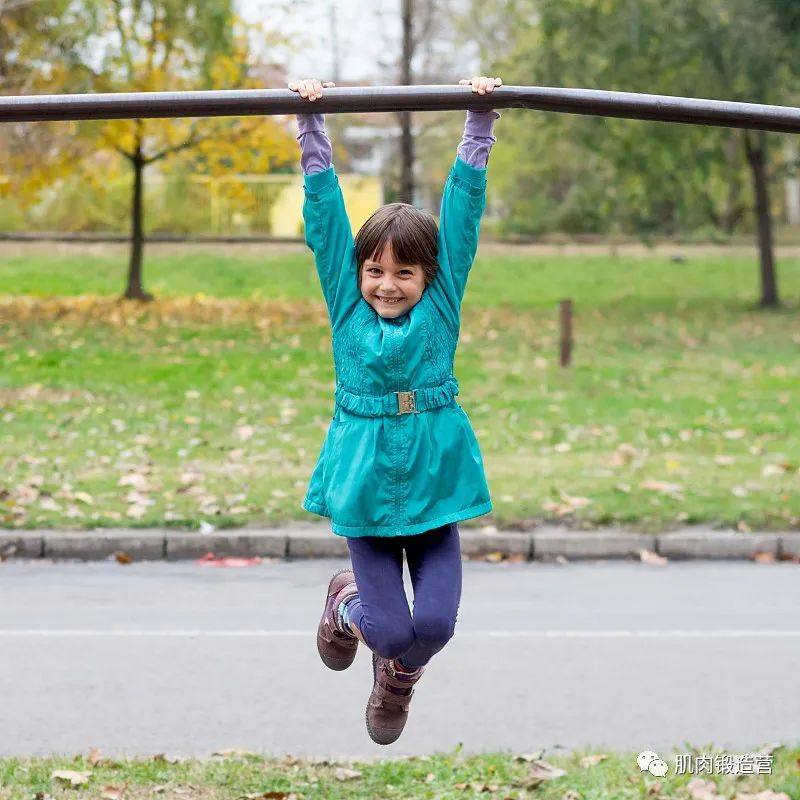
(337, 649)
(387, 712)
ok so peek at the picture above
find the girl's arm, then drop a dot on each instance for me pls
(327, 228)
(463, 202)
(316, 152)
(477, 141)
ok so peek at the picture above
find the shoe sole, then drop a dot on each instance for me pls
(336, 664)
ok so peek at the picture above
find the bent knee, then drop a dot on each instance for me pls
(435, 631)
(392, 643)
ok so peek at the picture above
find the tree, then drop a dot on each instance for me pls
(40, 54)
(429, 54)
(594, 174)
(748, 53)
(731, 49)
(168, 45)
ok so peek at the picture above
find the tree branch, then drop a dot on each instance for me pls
(124, 37)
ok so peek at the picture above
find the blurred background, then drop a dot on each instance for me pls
(555, 174)
(677, 244)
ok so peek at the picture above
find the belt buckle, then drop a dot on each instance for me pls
(406, 402)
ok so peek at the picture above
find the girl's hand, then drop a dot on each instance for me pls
(310, 88)
(481, 84)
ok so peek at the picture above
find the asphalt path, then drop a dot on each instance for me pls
(185, 659)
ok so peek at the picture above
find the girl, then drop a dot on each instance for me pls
(400, 465)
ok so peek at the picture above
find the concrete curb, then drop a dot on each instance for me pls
(546, 543)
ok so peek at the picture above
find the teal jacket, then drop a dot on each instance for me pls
(380, 472)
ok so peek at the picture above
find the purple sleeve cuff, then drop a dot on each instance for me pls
(316, 153)
(477, 141)
(310, 122)
(480, 123)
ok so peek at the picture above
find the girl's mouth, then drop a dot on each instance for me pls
(390, 301)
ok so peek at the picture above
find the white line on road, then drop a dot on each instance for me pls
(257, 633)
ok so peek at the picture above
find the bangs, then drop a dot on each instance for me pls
(412, 234)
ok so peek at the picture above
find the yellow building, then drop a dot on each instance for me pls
(362, 196)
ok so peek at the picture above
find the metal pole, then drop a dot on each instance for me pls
(244, 102)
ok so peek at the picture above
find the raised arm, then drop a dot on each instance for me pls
(463, 202)
(327, 228)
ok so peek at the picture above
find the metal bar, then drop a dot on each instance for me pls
(245, 102)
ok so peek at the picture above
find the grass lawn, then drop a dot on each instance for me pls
(212, 404)
(493, 776)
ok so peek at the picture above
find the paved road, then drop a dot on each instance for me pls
(185, 659)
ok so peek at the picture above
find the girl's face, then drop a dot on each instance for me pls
(391, 288)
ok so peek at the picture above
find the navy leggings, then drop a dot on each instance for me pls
(381, 611)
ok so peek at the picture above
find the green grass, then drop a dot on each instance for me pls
(442, 776)
(680, 406)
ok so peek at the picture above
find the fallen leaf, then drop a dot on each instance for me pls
(541, 770)
(765, 795)
(134, 479)
(649, 557)
(661, 486)
(26, 494)
(137, 498)
(529, 757)
(702, 790)
(72, 777)
(623, 455)
(244, 432)
(735, 434)
(344, 774)
(165, 759)
(94, 757)
(113, 792)
(772, 469)
(48, 504)
(123, 558)
(590, 761)
(233, 752)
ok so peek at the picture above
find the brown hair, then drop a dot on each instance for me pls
(413, 235)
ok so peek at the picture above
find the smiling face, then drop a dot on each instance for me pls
(396, 252)
(391, 288)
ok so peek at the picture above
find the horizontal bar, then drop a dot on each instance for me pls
(245, 102)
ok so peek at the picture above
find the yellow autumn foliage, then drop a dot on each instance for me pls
(92, 149)
(170, 311)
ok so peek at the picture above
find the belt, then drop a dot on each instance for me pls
(395, 403)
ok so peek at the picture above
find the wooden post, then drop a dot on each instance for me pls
(566, 332)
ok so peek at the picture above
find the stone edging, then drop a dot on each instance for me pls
(546, 543)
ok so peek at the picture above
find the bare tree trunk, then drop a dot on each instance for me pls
(406, 141)
(792, 182)
(756, 147)
(135, 290)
